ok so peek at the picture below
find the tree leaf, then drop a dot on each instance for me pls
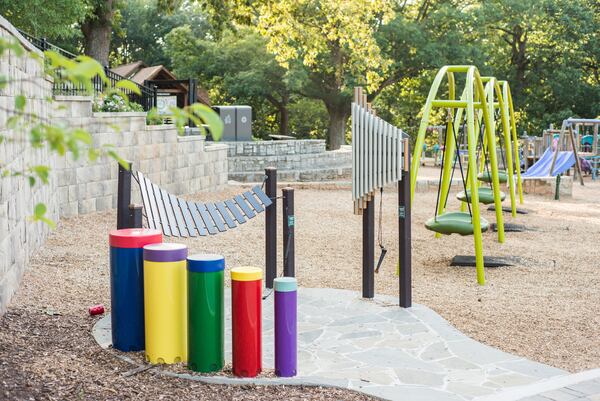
(39, 211)
(210, 118)
(20, 102)
(42, 172)
(129, 85)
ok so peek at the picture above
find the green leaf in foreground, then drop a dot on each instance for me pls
(129, 85)
(20, 102)
(39, 214)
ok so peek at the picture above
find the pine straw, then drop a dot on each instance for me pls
(546, 307)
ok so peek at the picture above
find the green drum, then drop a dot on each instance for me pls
(205, 313)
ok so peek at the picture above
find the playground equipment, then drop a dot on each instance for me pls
(533, 148)
(473, 97)
(165, 302)
(286, 330)
(500, 102)
(562, 163)
(127, 286)
(246, 321)
(380, 156)
(206, 312)
(176, 217)
(562, 151)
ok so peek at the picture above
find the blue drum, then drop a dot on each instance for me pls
(127, 286)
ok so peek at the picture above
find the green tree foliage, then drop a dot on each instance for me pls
(144, 26)
(547, 49)
(51, 19)
(239, 68)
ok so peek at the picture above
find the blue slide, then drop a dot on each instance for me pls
(564, 161)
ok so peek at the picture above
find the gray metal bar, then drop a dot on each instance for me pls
(226, 216)
(262, 196)
(197, 219)
(239, 199)
(208, 221)
(235, 210)
(215, 216)
(252, 200)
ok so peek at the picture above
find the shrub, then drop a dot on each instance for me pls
(115, 102)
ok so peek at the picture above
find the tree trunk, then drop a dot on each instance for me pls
(519, 60)
(336, 130)
(284, 121)
(97, 29)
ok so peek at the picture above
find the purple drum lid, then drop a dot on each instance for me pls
(165, 252)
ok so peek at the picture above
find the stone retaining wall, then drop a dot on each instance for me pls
(19, 237)
(179, 164)
(296, 160)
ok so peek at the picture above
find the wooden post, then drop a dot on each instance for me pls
(576, 154)
(555, 153)
(135, 216)
(123, 196)
(404, 233)
(289, 264)
(595, 140)
(271, 227)
(368, 262)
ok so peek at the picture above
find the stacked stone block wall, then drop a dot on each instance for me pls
(20, 237)
(296, 160)
(179, 164)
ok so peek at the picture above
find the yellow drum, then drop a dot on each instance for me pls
(165, 302)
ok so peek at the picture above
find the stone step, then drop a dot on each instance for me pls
(322, 174)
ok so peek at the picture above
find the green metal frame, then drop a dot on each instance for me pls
(508, 106)
(473, 97)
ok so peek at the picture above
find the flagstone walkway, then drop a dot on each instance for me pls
(380, 349)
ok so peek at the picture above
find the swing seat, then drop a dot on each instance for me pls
(487, 177)
(486, 196)
(454, 223)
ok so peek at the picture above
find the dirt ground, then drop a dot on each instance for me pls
(546, 307)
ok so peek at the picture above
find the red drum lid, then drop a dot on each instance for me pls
(133, 237)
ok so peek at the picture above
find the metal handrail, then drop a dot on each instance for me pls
(147, 96)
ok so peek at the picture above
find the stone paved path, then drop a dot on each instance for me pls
(380, 349)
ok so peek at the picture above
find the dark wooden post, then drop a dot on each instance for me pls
(123, 196)
(289, 263)
(368, 263)
(271, 227)
(135, 216)
(404, 233)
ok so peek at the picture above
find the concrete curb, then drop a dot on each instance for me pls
(518, 393)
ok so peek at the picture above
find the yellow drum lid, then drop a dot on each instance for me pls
(246, 273)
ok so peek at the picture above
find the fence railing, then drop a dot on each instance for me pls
(147, 97)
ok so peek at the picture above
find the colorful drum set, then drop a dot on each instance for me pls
(171, 305)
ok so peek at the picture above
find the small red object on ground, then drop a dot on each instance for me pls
(96, 310)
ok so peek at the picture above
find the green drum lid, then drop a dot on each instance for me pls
(454, 223)
(285, 284)
(486, 195)
(487, 177)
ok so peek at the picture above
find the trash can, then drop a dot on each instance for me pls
(127, 286)
(165, 302)
(206, 324)
(246, 321)
(243, 123)
(227, 114)
(286, 289)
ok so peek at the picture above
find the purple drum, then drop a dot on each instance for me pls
(286, 346)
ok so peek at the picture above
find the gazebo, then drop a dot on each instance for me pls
(170, 90)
